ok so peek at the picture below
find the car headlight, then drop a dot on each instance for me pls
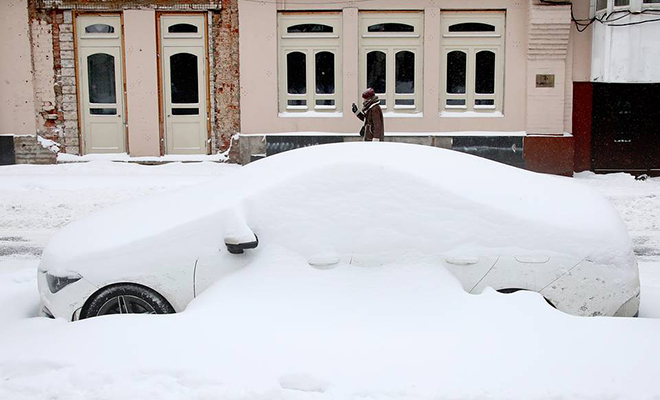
(57, 283)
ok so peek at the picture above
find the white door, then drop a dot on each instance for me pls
(184, 84)
(101, 84)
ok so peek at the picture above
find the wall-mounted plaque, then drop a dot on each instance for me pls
(545, 81)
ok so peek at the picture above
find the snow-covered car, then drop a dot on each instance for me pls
(359, 205)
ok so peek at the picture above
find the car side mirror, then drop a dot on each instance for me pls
(237, 245)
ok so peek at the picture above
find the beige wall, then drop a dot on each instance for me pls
(141, 82)
(17, 114)
(581, 42)
(258, 48)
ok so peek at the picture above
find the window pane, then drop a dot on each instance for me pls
(455, 102)
(184, 81)
(404, 102)
(185, 111)
(651, 1)
(619, 3)
(297, 102)
(456, 66)
(296, 73)
(472, 27)
(601, 4)
(405, 72)
(101, 78)
(182, 28)
(325, 102)
(325, 72)
(484, 102)
(99, 28)
(391, 27)
(309, 28)
(376, 69)
(485, 73)
(103, 111)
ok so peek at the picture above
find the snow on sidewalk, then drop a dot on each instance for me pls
(249, 339)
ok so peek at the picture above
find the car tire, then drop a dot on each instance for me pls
(509, 291)
(125, 298)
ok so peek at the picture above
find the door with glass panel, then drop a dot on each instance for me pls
(101, 84)
(183, 57)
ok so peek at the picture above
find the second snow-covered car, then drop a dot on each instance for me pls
(356, 204)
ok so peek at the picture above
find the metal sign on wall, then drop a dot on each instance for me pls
(545, 81)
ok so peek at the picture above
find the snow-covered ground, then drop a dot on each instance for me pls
(371, 343)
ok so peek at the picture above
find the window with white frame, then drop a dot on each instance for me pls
(309, 62)
(472, 62)
(601, 7)
(391, 58)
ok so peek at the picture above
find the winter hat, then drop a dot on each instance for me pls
(369, 93)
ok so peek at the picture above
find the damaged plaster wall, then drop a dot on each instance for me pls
(51, 23)
(225, 71)
(16, 94)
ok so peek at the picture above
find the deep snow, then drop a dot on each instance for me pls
(394, 332)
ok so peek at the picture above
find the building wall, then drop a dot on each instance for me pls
(17, 116)
(55, 86)
(259, 70)
(627, 54)
(141, 83)
(534, 31)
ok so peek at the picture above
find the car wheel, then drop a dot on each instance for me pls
(125, 299)
(509, 291)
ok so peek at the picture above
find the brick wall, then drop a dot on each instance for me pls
(54, 62)
(65, 82)
(225, 73)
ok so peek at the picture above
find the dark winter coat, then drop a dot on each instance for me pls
(372, 115)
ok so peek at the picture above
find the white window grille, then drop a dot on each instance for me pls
(309, 62)
(391, 58)
(472, 62)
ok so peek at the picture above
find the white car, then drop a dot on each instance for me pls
(356, 204)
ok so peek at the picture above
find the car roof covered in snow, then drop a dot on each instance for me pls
(522, 209)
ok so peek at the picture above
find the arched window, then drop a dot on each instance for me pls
(99, 28)
(182, 28)
(405, 72)
(296, 71)
(485, 72)
(471, 27)
(184, 79)
(309, 62)
(473, 76)
(101, 78)
(310, 28)
(377, 71)
(325, 72)
(456, 72)
(391, 27)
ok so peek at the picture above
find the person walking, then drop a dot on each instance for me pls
(372, 115)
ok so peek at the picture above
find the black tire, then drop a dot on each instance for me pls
(125, 298)
(509, 291)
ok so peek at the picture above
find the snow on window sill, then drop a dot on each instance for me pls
(394, 114)
(471, 114)
(310, 114)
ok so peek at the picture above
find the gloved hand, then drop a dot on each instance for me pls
(354, 108)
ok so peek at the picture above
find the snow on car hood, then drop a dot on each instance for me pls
(371, 197)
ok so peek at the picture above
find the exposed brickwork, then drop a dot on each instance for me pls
(65, 82)
(225, 74)
(54, 64)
